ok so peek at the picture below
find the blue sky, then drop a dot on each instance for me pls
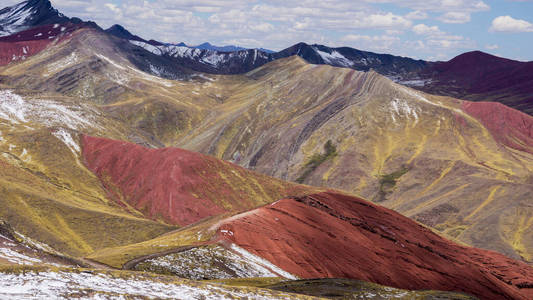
(426, 29)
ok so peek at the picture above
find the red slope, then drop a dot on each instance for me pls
(22, 45)
(333, 235)
(178, 186)
(508, 126)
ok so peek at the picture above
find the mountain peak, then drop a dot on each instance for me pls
(28, 14)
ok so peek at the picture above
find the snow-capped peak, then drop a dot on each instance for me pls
(28, 14)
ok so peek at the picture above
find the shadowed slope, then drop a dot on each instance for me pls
(178, 186)
(338, 236)
(480, 76)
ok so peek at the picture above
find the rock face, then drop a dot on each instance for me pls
(337, 236)
(176, 185)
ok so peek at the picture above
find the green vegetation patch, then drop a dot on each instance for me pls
(333, 288)
(330, 151)
(389, 180)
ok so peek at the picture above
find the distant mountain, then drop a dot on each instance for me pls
(475, 76)
(385, 64)
(218, 62)
(229, 48)
(478, 76)
(31, 13)
(121, 32)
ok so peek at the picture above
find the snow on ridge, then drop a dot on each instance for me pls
(67, 139)
(14, 19)
(155, 50)
(209, 57)
(334, 58)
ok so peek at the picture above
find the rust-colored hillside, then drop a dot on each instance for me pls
(338, 236)
(178, 186)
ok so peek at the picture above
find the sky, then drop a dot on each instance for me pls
(424, 29)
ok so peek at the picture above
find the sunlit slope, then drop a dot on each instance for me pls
(179, 186)
(418, 154)
(424, 156)
(47, 193)
(326, 235)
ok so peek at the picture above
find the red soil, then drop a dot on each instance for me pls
(22, 45)
(508, 126)
(175, 185)
(338, 236)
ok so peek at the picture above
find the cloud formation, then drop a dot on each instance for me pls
(391, 26)
(510, 24)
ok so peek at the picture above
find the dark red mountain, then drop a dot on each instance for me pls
(479, 76)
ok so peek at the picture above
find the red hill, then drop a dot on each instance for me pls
(22, 45)
(508, 126)
(338, 236)
(176, 185)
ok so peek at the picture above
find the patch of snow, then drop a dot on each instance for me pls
(401, 107)
(61, 64)
(67, 139)
(56, 25)
(151, 48)
(17, 258)
(39, 34)
(151, 78)
(204, 262)
(252, 258)
(35, 244)
(213, 58)
(334, 58)
(89, 285)
(204, 77)
(16, 110)
(110, 61)
(415, 82)
(24, 156)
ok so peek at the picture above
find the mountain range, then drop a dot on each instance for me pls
(136, 168)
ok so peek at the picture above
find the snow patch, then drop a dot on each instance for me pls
(16, 110)
(17, 258)
(67, 139)
(63, 63)
(252, 258)
(401, 107)
(110, 61)
(62, 285)
(334, 58)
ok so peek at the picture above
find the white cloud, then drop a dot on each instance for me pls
(417, 15)
(509, 24)
(492, 47)
(455, 17)
(423, 29)
(277, 24)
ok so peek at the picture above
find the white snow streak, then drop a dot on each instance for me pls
(252, 258)
(64, 285)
